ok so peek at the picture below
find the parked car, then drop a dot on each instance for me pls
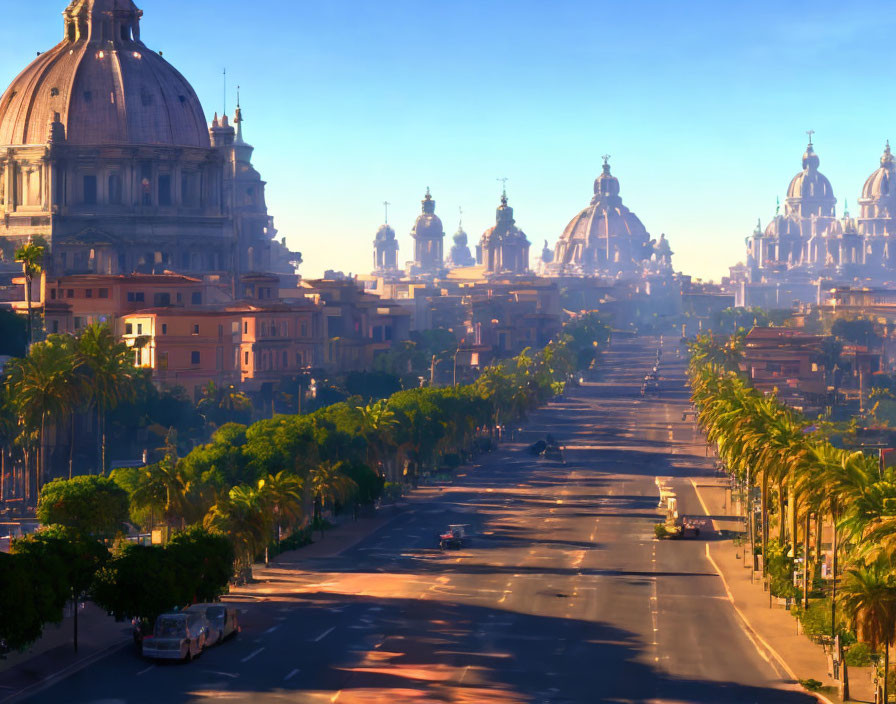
(177, 636)
(223, 621)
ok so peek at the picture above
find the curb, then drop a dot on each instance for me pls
(71, 669)
(754, 635)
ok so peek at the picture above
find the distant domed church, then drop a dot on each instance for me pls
(107, 155)
(504, 248)
(809, 239)
(606, 237)
(460, 254)
(429, 236)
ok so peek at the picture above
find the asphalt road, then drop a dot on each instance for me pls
(562, 595)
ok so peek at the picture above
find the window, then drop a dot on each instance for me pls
(70, 293)
(285, 359)
(161, 299)
(128, 329)
(88, 293)
(90, 189)
(304, 329)
(246, 359)
(245, 328)
(104, 293)
(196, 298)
(135, 297)
(179, 298)
(164, 189)
(298, 359)
(194, 357)
(80, 323)
(52, 294)
(139, 328)
(55, 326)
(164, 328)
(195, 328)
(146, 183)
(114, 189)
(188, 190)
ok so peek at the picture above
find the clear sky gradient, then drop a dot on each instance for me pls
(703, 107)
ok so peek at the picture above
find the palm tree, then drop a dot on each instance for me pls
(868, 596)
(328, 485)
(109, 371)
(378, 423)
(31, 255)
(282, 494)
(42, 386)
(242, 515)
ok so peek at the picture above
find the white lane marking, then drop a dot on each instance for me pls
(143, 672)
(324, 634)
(272, 629)
(222, 674)
(335, 697)
(292, 673)
(251, 655)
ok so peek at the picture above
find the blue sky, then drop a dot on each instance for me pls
(703, 107)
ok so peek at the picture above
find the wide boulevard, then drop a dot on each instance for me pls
(562, 594)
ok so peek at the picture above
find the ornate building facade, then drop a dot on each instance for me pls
(385, 251)
(107, 156)
(460, 252)
(504, 248)
(808, 244)
(606, 238)
(428, 235)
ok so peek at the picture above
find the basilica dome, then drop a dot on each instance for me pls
(103, 85)
(811, 185)
(384, 233)
(584, 239)
(428, 225)
(878, 193)
(782, 227)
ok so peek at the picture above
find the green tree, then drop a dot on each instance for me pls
(27, 601)
(91, 505)
(329, 486)
(243, 516)
(68, 559)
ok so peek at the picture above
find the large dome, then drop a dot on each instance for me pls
(428, 225)
(810, 183)
(878, 192)
(584, 239)
(103, 85)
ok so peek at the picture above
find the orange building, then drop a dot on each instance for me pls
(249, 345)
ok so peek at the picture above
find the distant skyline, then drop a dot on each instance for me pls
(703, 108)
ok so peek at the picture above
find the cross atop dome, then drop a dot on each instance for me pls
(810, 133)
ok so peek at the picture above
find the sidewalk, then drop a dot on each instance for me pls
(53, 655)
(774, 628)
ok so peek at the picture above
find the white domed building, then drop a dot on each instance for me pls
(429, 237)
(107, 155)
(605, 238)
